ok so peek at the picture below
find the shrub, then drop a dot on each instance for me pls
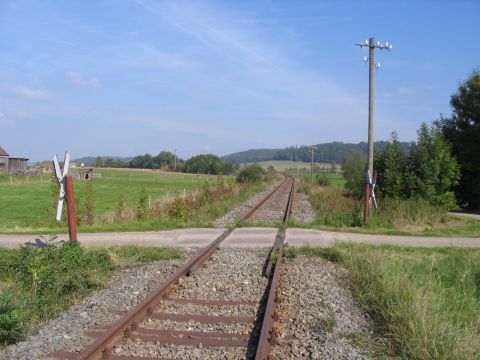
(354, 171)
(121, 214)
(11, 322)
(89, 215)
(142, 205)
(322, 179)
(178, 208)
(251, 173)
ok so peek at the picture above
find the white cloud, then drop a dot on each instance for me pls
(403, 90)
(31, 93)
(78, 79)
(4, 119)
(410, 90)
(145, 55)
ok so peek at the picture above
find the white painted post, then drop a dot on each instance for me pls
(11, 180)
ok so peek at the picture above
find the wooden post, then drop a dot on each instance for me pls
(72, 222)
(367, 203)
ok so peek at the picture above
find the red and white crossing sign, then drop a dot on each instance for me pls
(60, 175)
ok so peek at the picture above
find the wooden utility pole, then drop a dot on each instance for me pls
(371, 92)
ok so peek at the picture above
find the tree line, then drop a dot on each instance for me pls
(442, 166)
(324, 153)
(200, 164)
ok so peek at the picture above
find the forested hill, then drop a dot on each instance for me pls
(335, 151)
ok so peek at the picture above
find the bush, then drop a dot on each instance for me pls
(322, 179)
(354, 168)
(142, 205)
(178, 208)
(11, 322)
(251, 173)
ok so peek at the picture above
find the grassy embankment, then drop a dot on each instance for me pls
(28, 207)
(426, 302)
(338, 212)
(38, 284)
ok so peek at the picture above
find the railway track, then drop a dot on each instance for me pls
(217, 305)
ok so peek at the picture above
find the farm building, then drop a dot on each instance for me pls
(11, 165)
(83, 174)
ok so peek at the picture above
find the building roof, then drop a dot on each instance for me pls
(3, 152)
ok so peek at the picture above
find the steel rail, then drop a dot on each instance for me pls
(102, 347)
(266, 332)
(281, 232)
(268, 196)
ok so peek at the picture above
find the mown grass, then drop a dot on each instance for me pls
(335, 210)
(24, 204)
(426, 302)
(41, 283)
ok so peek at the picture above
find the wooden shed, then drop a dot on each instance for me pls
(11, 165)
(83, 174)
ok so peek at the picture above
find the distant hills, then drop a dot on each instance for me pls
(326, 153)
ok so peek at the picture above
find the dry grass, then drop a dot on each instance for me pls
(426, 301)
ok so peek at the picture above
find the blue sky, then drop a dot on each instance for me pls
(126, 77)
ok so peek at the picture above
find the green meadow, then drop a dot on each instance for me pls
(24, 201)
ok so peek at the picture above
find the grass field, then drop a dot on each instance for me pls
(23, 203)
(426, 301)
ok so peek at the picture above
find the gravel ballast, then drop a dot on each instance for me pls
(231, 275)
(302, 210)
(231, 217)
(316, 314)
(123, 291)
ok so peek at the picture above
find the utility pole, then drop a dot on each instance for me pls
(312, 148)
(371, 84)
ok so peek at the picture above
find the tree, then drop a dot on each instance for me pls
(354, 168)
(207, 164)
(462, 130)
(390, 168)
(432, 170)
(251, 173)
